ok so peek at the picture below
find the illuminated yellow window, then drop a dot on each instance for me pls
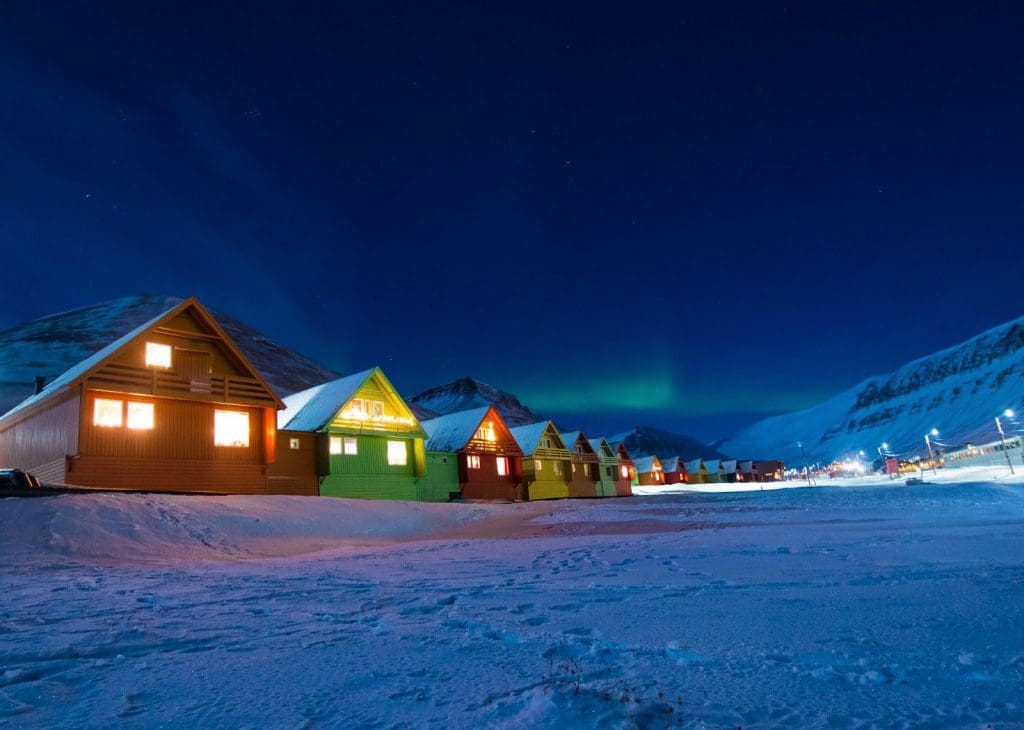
(351, 446)
(486, 432)
(398, 454)
(378, 409)
(107, 412)
(502, 466)
(140, 416)
(335, 445)
(157, 355)
(293, 444)
(357, 407)
(230, 428)
(538, 464)
(624, 471)
(473, 461)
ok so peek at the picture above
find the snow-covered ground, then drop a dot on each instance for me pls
(860, 606)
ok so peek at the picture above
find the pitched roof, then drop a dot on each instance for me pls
(596, 444)
(86, 366)
(313, 408)
(670, 463)
(453, 431)
(645, 464)
(712, 464)
(570, 438)
(693, 467)
(528, 436)
(730, 466)
(746, 467)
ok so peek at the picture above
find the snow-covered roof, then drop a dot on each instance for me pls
(712, 464)
(746, 467)
(670, 463)
(313, 408)
(453, 431)
(729, 466)
(596, 444)
(528, 436)
(73, 373)
(645, 464)
(570, 438)
(693, 467)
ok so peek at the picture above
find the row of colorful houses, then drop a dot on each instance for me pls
(654, 471)
(176, 406)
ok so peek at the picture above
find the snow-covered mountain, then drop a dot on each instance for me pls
(49, 346)
(650, 441)
(959, 391)
(466, 393)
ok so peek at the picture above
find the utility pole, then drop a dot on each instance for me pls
(807, 469)
(1002, 438)
(931, 454)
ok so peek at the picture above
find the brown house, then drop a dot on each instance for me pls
(648, 471)
(585, 465)
(627, 472)
(173, 405)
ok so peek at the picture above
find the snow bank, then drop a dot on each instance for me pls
(160, 527)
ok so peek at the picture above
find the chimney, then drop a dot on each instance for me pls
(40, 383)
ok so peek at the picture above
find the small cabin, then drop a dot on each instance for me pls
(713, 471)
(696, 473)
(359, 436)
(585, 468)
(546, 461)
(674, 470)
(745, 471)
(173, 405)
(649, 471)
(608, 467)
(729, 471)
(627, 471)
(473, 454)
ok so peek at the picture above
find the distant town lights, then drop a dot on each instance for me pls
(934, 432)
(1008, 413)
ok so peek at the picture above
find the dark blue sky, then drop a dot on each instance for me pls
(700, 212)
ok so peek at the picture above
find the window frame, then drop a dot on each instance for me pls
(144, 405)
(229, 414)
(109, 402)
(153, 347)
(392, 452)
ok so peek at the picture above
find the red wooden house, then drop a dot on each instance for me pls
(488, 461)
(627, 472)
(172, 405)
(673, 469)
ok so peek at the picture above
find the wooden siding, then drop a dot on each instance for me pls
(546, 484)
(294, 471)
(374, 390)
(172, 475)
(41, 441)
(441, 480)
(485, 482)
(624, 485)
(368, 475)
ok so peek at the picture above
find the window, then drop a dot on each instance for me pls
(157, 355)
(351, 446)
(502, 466)
(230, 428)
(473, 461)
(558, 468)
(607, 471)
(486, 432)
(573, 468)
(538, 464)
(378, 409)
(293, 444)
(398, 454)
(140, 416)
(579, 449)
(334, 447)
(624, 470)
(547, 443)
(107, 412)
(444, 459)
(357, 406)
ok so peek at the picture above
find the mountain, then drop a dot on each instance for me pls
(51, 345)
(466, 393)
(650, 441)
(959, 391)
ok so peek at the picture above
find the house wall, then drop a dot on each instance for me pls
(441, 480)
(294, 471)
(545, 484)
(485, 482)
(41, 441)
(607, 476)
(368, 475)
(650, 478)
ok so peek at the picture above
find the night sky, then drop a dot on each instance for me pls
(704, 213)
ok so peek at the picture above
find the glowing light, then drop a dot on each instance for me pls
(934, 432)
(107, 413)
(1008, 413)
(359, 414)
(230, 428)
(502, 466)
(885, 446)
(624, 470)
(157, 355)
(335, 445)
(473, 461)
(140, 416)
(351, 446)
(486, 432)
(398, 453)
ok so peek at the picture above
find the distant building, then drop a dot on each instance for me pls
(769, 471)
(585, 468)
(627, 470)
(546, 461)
(648, 471)
(696, 472)
(673, 469)
(608, 468)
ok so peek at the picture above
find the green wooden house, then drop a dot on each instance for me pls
(608, 467)
(366, 440)
(546, 461)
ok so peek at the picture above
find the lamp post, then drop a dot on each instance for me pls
(928, 443)
(1002, 437)
(807, 469)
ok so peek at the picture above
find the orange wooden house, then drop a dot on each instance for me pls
(172, 406)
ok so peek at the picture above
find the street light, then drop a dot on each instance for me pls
(1002, 437)
(807, 469)
(928, 443)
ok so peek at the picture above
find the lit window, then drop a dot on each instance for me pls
(378, 409)
(293, 444)
(107, 412)
(140, 416)
(473, 462)
(502, 466)
(157, 355)
(558, 468)
(351, 446)
(573, 468)
(486, 432)
(334, 447)
(398, 454)
(625, 472)
(357, 406)
(538, 464)
(230, 428)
